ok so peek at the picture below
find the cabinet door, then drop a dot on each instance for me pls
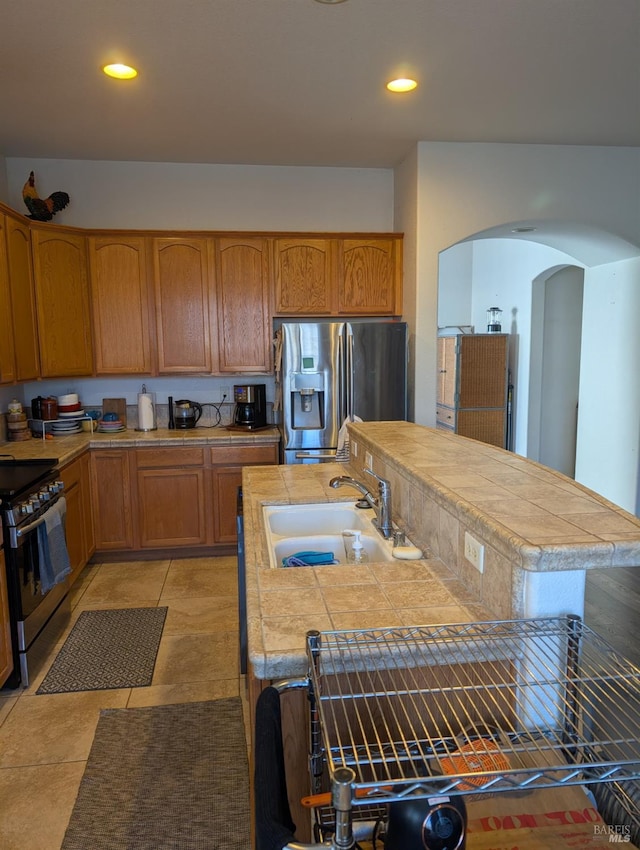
(370, 277)
(121, 305)
(226, 477)
(225, 482)
(7, 361)
(111, 499)
(79, 525)
(304, 277)
(6, 654)
(171, 507)
(74, 525)
(483, 370)
(62, 299)
(23, 304)
(447, 358)
(242, 294)
(87, 513)
(182, 297)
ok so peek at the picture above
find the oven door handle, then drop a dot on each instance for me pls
(16, 533)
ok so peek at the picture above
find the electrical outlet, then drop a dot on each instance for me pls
(368, 460)
(225, 391)
(474, 552)
(354, 448)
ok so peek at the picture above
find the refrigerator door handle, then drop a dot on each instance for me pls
(343, 382)
(349, 374)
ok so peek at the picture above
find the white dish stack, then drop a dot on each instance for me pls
(70, 416)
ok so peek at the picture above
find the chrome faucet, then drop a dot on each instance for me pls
(380, 504)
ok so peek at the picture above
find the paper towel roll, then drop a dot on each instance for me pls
(146, 412)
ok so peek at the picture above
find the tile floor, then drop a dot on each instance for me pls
(45, 740)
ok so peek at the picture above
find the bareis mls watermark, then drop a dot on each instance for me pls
(616, 834)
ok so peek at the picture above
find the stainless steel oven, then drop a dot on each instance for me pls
(29, 491)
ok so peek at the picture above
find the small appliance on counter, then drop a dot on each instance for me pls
(250, 412)
(186, 413)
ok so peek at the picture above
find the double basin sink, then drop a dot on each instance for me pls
(323, 528)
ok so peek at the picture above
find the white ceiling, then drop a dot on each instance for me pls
(297, 82)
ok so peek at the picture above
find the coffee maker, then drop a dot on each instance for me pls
(251, 407)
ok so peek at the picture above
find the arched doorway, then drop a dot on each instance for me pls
(499, 267)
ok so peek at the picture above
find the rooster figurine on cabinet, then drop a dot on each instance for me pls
(42, 209)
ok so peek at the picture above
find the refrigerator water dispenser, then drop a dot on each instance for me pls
(307, 401)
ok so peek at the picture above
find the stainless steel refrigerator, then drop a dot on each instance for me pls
(334, 371)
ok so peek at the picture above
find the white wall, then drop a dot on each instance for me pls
(406, 220)
(210, 197)
(455, 287)
(464, 189)
(4, 183)
(609, 416)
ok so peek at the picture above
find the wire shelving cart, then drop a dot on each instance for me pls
(481, 708)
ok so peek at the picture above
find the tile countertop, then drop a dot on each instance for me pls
(541, 517)
(541, 523)
(65, 449)
(283, 604)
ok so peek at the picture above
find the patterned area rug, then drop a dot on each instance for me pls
(173, 777)
(107, 649)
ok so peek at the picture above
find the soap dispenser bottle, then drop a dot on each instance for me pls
(356, 555)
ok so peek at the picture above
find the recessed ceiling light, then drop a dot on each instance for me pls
(120, 72)
(330, 1)
(401, 85)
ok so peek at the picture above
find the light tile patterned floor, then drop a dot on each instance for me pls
(45, 740)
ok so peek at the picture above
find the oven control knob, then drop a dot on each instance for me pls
(34, 503)
(44, 495)
(26, 508)
(53, 488)
(59, 484)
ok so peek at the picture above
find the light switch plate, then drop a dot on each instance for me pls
(368, 460)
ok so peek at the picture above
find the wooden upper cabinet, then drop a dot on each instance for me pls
(242, 294)
(121, 305)
(182, 279)
(62, 299)
(370, 276)
(7, 359)
(303, 273)
(23, 303)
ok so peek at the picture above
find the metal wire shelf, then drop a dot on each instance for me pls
(474, 708)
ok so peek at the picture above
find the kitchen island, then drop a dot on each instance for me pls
(539, 531)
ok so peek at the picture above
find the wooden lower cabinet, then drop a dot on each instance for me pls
(226, 477)
(225, 481)
(111, 499)
(6, 655)
(79, 522)
(170, 498)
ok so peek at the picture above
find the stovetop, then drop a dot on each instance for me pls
(19, 476)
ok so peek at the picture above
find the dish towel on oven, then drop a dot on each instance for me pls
(52, 547)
